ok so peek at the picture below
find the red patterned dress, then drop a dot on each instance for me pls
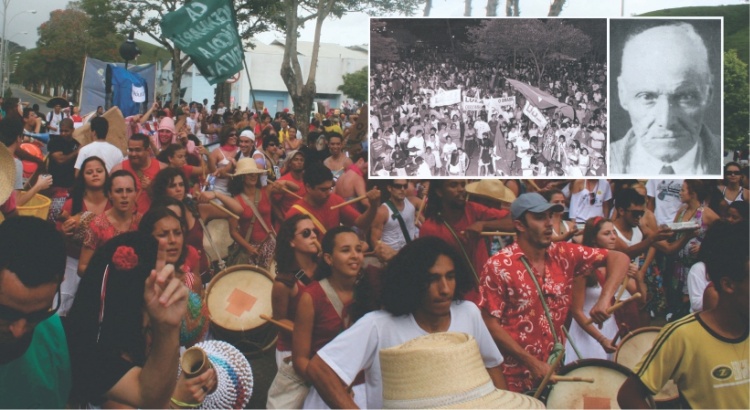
(508, 293)
(100, 230)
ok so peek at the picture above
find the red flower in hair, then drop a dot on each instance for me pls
(125, 258)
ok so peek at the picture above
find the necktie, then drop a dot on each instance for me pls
(667, 169)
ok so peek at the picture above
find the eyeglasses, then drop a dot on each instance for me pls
(400, 186)
(272, 144)
(592, 198)
(635, 213)
(11, 315)
(305, 233)
(731, 173)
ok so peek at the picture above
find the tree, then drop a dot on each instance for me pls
(736, 101)
(60, 40)
(538, 40)
(299, 12)
(144, 16)
(355, 85)
(382, 46)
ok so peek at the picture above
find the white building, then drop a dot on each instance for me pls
(264, 64)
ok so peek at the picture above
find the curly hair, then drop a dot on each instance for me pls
(162, 180)
(407, 277)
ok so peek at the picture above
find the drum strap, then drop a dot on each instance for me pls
(401, 223)
(254, 207)
(255, 213)
(559, 348)
(338, 305)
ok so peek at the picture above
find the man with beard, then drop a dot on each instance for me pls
(513, 280)
(460, 223)
(34, 362)
(422, 291)
(143, 167)
(666, 85)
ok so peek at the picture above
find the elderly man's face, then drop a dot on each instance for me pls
(665, 87)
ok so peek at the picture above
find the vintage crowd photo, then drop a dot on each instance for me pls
(488, 97)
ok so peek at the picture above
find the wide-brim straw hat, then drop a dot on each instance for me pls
(492, 189)
(443, 370)
(247, 166)
(62, 102)
(7, 173)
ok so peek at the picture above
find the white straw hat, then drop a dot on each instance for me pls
(247, 166)
(443, 370)
(7, 173)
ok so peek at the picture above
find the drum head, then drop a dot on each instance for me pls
(238, 296)
(602, 393)
(219, 230)
(632, 349)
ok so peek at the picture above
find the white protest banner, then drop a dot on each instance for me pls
(446, 98)
(534, 115)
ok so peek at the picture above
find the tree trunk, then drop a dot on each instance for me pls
(511, 8)
(427, 8)
(467, 8)
(174, 94)
(556, 8)
(450, 35)
(492, 8)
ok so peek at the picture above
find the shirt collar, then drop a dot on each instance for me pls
(688, 164)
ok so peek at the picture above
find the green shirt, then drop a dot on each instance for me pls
(40, 378)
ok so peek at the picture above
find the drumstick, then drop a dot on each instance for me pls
(422, 204)
(319, 246)
(615, 307)
(281, 324)
(493, 233)
(557, 378)
(283, 188)
(351, 201)
(621, 290)
(548, 376)
(225, 210)
(533, 184)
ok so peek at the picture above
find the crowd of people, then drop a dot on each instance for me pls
(482, 129)
(94, 309)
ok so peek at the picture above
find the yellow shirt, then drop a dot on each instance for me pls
(710, 371)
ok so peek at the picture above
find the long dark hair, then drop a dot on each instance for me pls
(153, 216)
(407, 276)
(285, 261)
(162, 180)
(121, 330)
(79, 185)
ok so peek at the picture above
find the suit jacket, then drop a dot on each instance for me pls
(620, 153)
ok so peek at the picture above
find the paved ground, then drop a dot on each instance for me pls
(31, 98)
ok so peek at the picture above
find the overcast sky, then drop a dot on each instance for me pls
(352, 29)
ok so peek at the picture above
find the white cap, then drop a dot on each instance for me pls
(248, 134)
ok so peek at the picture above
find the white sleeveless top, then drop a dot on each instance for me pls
(637, 238)
(392, 234)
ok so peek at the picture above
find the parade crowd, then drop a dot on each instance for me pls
(97, 304)
(482, 130)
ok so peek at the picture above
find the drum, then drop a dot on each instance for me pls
(601, 394)
(236, 297)
(630, 351)
(219, 230)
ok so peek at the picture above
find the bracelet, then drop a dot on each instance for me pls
(183, 404)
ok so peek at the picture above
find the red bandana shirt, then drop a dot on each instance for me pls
(508, 293)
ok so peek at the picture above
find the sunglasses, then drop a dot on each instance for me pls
(11, 315)
(305, 233)
(400, 186)
(592, 198)
(636, 214)
(731, 173)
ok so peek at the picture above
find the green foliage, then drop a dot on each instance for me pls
(736, 101)
(355, 85)
(736, 23)
(59, 44)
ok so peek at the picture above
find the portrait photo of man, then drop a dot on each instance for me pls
(666, 97)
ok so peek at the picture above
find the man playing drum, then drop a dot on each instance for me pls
(705, 353)
(517, 318)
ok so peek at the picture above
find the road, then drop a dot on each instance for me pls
(25, 96)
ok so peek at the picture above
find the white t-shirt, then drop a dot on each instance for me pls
(697, 282)
(359, 346)
(581, 208)
(666, 194)
(102, 149)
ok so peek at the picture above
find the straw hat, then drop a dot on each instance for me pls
(247, 166)
(7, 173)
(62, 102)
(443, 370)
(491, 188)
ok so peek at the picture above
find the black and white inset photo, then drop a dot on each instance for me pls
(488, 97)
(666, 97)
